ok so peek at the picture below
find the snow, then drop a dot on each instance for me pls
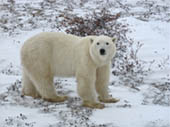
(134, 115)
(154, 34)
(131, 111)
(138, 116)
(32, 114)
(155, 37)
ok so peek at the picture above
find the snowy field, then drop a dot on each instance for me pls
(144, 103)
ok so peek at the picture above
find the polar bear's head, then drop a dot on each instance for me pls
(102, 49)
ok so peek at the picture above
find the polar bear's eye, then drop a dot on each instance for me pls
(107, 43)
(98, 43)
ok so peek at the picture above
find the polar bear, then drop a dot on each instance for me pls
(50, 54)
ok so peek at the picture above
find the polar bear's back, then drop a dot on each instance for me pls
(57, 37)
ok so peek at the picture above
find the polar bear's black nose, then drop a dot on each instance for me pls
(102, 51)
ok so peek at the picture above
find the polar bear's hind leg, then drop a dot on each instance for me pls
(43, 81)
(28, 87)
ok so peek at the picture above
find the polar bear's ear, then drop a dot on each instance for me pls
(91, 40)
(114, 39)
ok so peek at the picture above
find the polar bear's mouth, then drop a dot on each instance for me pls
(102, 52)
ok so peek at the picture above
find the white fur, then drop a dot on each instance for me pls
(52, 54)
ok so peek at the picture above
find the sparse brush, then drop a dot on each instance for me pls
(18, 121)
(126, 64)
(159, 93)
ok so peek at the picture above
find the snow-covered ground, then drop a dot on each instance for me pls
(146, 107)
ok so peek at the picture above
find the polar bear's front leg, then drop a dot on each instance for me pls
(102, 81)
(86, 90)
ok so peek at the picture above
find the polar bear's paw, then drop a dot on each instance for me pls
(32, 94)
(57, 99)
(93, 105)
(109, 100)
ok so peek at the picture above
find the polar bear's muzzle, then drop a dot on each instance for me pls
(102, 51)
